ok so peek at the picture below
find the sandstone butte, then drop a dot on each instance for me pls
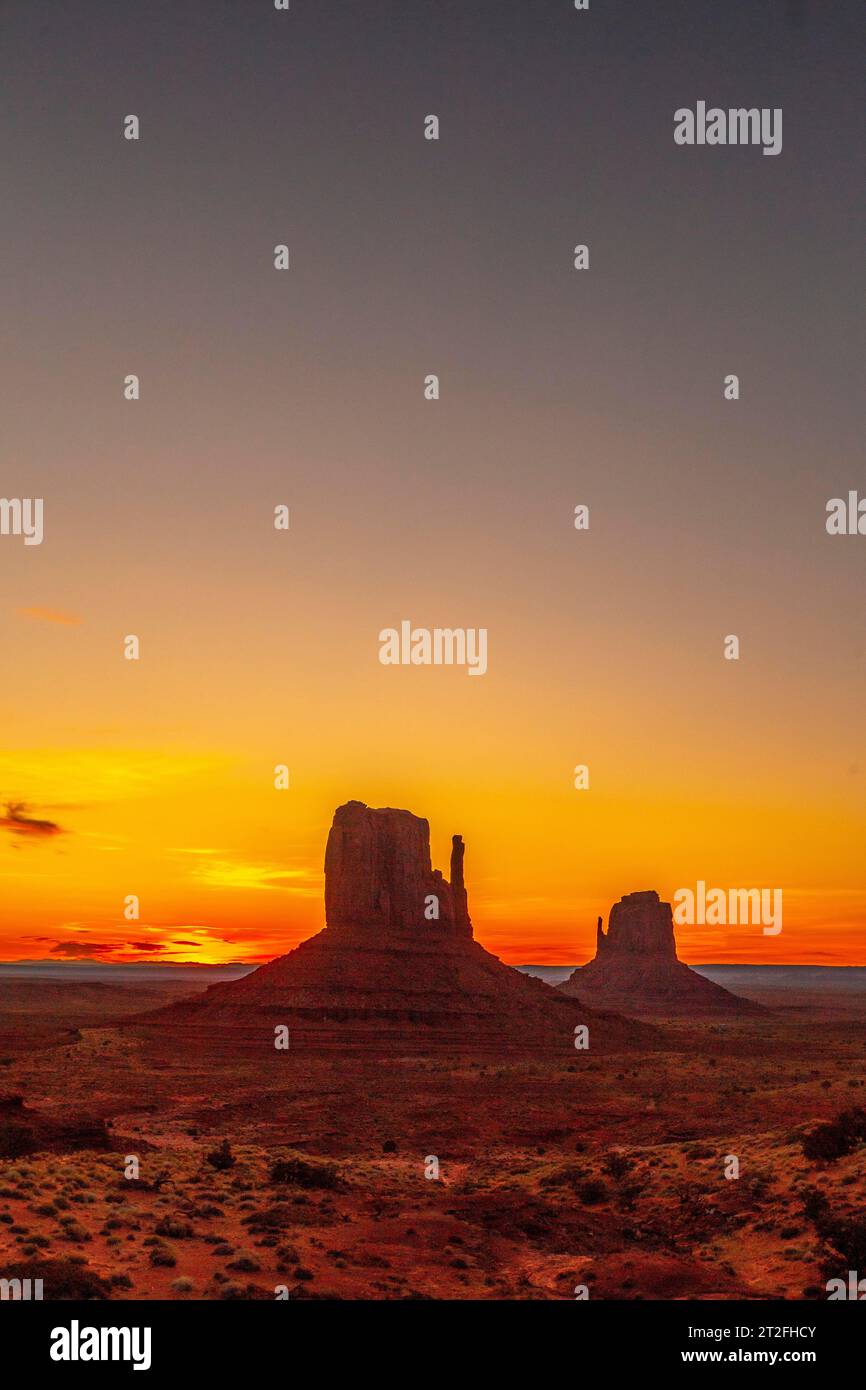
(636, 968)
(396, 959)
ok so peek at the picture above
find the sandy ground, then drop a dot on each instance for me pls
(555, 1170)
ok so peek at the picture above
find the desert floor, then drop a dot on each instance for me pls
(556, 1169)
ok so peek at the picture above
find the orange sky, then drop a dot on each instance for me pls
(159, 779)
(260, 647)
(559, 388)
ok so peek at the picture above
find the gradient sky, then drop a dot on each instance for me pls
(601, 387)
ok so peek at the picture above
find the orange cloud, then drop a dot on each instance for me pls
(82, 950)
(51, 615)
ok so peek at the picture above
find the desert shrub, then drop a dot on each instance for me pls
(244, 1263)
(758, 1186)
(161, 1255)
(62, 1279)
(173, 1226)
(629, 1193)
(836, 1138)
(853, 1122)
(273, 1218)
(700, 1151)
(72, 1231)
(617, 1166)
(222, 1157)
(845, 1234)
(826, 1144)
(297, 1172)
(182, 1285)
(591, 1192)
(848, 1236)
(570, 1174)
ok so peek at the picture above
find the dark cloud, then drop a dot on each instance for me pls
(81, 948)
(146, 946)
(18, 822)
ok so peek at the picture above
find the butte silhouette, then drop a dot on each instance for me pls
(636, 969)
(396, 958)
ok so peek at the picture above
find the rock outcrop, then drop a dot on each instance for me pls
(636, 969)
(379, 879)
(396, 959)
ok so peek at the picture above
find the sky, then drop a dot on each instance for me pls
(558, 387)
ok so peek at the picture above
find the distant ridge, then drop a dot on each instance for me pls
(86, 969)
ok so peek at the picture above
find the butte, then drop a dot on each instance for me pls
(636, 969)
(395, 964)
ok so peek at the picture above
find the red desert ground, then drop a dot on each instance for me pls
(389, 1111)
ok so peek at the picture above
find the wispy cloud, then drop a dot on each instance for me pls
(51, 615)
(17, 821)
(227, 873)
(79, 949)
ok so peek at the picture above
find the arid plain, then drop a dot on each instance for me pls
(558, 1168)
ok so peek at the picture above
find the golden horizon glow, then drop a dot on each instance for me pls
(249, 885)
